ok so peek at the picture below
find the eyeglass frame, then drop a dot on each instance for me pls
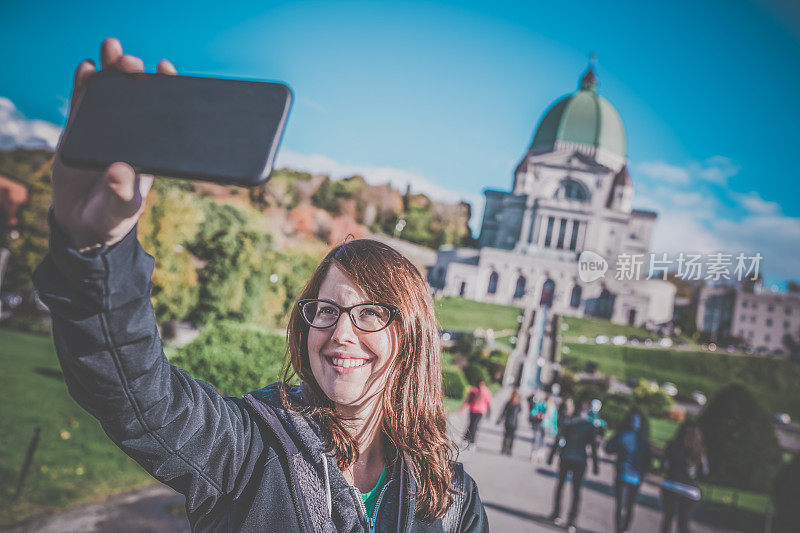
(394, 312)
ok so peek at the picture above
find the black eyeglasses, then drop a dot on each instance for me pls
(368, 317)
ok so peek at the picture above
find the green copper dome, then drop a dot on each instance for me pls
(584, 118)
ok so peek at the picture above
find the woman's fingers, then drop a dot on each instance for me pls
(85, 69)
(110, 52)
(129, 63)
(165, 67)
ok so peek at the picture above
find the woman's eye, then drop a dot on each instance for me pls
(327, 311)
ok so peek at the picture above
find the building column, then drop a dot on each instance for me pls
(581, 235)
(527, 227)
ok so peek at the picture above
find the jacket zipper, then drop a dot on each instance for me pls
(372, 520)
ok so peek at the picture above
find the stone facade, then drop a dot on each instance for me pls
(566, 197)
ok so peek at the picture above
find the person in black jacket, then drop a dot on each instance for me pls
(575, 433)
(510, 416)
(359, 445)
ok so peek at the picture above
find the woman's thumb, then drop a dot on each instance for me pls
(120, 179)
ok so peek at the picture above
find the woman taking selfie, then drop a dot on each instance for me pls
(360, 445)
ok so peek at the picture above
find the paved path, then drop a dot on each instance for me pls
(517, 495)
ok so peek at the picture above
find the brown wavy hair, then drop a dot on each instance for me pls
(414, 422)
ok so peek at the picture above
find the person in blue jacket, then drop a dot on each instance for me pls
(634, 457)
(359, 445)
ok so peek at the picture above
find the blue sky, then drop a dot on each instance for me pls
(446, 95)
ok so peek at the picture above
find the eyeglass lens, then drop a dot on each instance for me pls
(368, 317)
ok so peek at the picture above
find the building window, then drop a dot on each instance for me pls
(744, 304)
(462, 289)
(767, 338)
(741, 333)
(519, 292)
(753, 319)
(769, 322)
(788, 310)
(548, 237)
(562, 231)
(572, 190)
(573, 241)
(743, 318)
(786, 324)
(575, 298)
(750, 334)
(492, 289)
(548, 291)
(770, 308)
(753, 305)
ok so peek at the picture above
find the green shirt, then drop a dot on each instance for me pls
(370, 498)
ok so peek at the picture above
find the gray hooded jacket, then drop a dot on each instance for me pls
(243, 464)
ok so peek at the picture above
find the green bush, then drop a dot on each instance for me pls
(743, 451)
(455, 385)
(235, 358)
(786, 495)
(651, 399)
(495, 364)
(475, 373)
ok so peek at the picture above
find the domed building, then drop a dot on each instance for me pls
(571, 193)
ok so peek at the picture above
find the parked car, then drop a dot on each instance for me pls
(601, 339)
(665, 342)
(619, 340)
(699, 398)
(10, 300)
(782, 418)
(670, 389)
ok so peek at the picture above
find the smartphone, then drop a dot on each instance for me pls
(213, 129)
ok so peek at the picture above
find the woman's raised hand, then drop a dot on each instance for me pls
(91, 206)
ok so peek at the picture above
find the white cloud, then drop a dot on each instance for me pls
(692, 219)
(659, 170)
(683, 231)
(18, 131)
(775, 236)
(717, 169)
(754, 203)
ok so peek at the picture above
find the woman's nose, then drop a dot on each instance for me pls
(344, 330)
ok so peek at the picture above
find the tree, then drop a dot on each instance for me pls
(28, 250)
(167, 227)
(235, 276)
(742, 448)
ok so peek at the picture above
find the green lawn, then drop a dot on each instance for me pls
(75, 462)
(458, 314)
(662, 431)
(774, 381)
(592, 327)
(751, 501)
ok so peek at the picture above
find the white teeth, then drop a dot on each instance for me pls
(348, 363)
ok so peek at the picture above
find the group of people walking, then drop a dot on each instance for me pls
(577, 431)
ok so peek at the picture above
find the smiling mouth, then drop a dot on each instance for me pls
(347, 363)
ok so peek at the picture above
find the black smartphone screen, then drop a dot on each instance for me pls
(212, 129)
